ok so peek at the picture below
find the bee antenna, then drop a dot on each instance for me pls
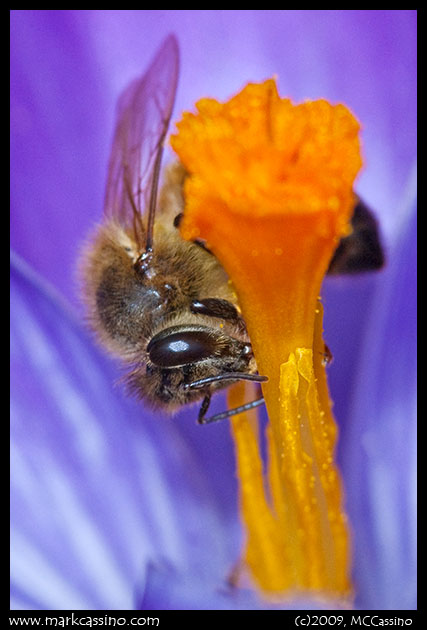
(229, 376)
(167, 62)
(231, 412)
(153, 194)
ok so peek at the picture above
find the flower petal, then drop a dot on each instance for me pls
(67, 68)
(100, 486)
(184, 594)
(378, 448)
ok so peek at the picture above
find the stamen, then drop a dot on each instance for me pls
(279, 179)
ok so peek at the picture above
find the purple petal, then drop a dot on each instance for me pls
(166, 589)
(67, 70)
(378, 447)
(100, 486)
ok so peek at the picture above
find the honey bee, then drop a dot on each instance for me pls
(163, 305)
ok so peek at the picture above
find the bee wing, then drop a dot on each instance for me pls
(143, 114)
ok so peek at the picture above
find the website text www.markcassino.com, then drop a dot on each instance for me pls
(83, 620)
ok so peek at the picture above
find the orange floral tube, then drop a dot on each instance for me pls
(270, 189)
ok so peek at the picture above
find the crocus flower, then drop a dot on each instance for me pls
(112, 505)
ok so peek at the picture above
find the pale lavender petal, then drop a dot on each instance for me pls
(378, 447)
(67, 70)
(166, 588)
(100, 486)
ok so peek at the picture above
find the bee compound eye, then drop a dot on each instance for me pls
(172, 348)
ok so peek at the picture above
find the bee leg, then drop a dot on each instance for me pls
(177, 222)
(215, 307)
(231, 412)
(235, 575)
(327, 355)
(203, 409)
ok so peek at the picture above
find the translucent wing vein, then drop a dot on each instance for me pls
(143, 115)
